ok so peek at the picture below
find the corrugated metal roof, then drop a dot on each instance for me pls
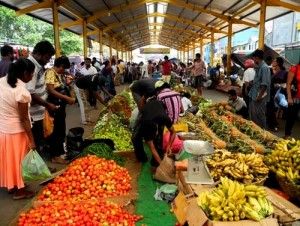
(130, 20)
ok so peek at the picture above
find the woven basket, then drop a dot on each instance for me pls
(291, 189)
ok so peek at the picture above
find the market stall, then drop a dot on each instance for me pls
(240, 159)
(244, 157)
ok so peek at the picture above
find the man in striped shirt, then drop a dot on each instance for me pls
(42, 53)
(170, 99)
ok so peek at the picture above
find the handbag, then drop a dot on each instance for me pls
(48, 124)
(63, 89)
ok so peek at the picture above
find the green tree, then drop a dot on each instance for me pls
(26, 30)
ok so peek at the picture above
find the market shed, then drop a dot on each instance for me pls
(129, 24)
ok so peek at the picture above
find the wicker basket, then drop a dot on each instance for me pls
(291, 189)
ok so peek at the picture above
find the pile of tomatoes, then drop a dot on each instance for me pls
(88, 178)
(78, 213)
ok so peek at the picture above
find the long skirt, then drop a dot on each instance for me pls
(13, 148)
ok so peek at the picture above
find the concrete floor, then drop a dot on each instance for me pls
(9, 208)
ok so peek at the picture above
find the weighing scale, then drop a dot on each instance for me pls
(198, 173)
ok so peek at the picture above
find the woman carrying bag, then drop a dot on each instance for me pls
(58, 94)
(15, 126)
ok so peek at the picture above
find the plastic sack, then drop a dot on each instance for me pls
(34, 167)
(48, 124)
(167, 192)
(280, 99)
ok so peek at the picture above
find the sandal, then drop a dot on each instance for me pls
(12, 191)
(23, 195)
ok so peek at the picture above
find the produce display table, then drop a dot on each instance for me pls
(285, 212)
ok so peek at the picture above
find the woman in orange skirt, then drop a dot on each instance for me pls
(15, 127)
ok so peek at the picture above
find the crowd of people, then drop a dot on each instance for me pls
(270, 92)
(29, 92)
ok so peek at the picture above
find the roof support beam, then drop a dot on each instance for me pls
(71, 23)
(56, 28)
(261, 36)
(194, 7)
(84, 37)
(102, 13)
(229, 45)
(283, 4)
(212, 49)
(41, 5)
(168, 16)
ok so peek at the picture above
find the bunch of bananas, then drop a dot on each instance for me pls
(232, 201)
(285, 160)
(245, 168)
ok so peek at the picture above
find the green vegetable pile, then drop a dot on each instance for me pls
(110, 126)
(103, 151)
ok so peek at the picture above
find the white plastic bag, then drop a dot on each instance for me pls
(34, 167)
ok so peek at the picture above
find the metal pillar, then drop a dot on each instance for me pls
(229, 46)
(212, 49)
(110, 49)
(101, 44)
(193, 51)
(188, 53)
(261, 36)
(84, 36)
(201, 47)
(56, 28)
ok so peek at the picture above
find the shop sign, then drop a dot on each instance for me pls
(154, 50)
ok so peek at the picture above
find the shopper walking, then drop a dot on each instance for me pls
(259, 93)
(41, 54)
(166, 69)
(198, 72)
(7, 57)
(16, 138)
(293, 94)
(58, 94)
(108, 74)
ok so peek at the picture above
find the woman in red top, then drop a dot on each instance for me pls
(293, 93)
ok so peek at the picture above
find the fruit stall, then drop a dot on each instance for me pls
(246, 159)
(96, 187)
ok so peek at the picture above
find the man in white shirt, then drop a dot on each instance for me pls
(88, 69)
(237, 103)
(84, 97)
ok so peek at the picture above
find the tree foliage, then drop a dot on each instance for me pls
(26, 30)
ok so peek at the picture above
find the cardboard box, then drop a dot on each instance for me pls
(196, 217)
(285, 211)
(190, 189)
